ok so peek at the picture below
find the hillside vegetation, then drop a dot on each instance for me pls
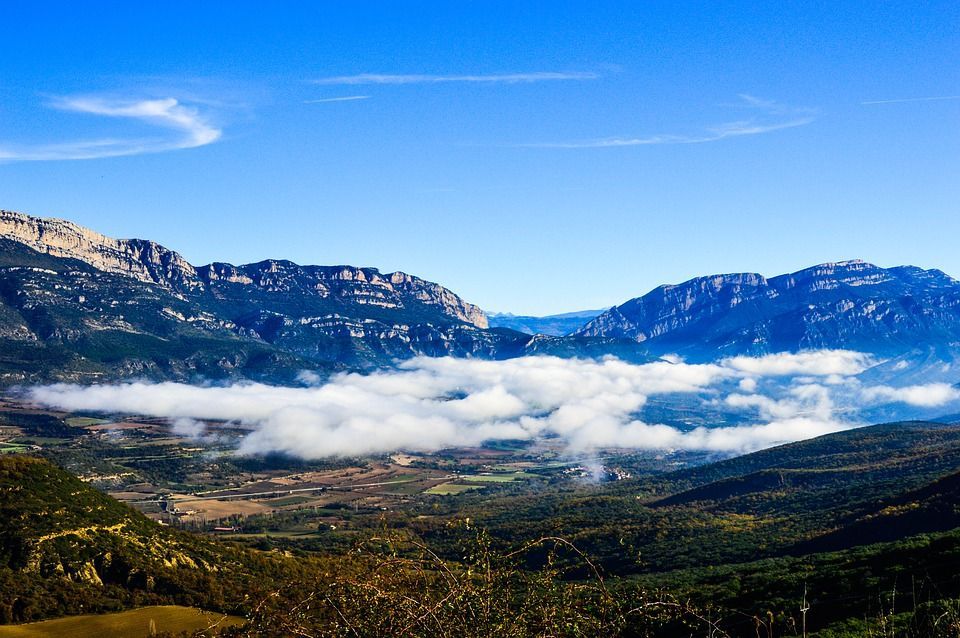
(66, 548)
(850, 488)
(731, 548)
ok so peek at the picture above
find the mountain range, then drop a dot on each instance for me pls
(75, 304)
(849, 304)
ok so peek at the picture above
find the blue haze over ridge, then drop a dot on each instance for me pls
(553, 325)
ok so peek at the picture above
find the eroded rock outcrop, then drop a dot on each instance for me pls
(137, 258)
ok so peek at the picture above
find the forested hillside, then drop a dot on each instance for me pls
(862, 521)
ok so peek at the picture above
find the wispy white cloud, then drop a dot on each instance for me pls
(770, 116)
(503, 78)
(935, 98)
(344, 98)
(193, 129)
(753, 101)
(721, 132)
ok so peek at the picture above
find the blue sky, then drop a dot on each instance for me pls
(533, 157)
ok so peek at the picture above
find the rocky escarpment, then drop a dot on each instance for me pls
(62, 319)
(143, 260)
(59, 534)
(335, 288)
(76, 305)
(850, 304)
(150, 262)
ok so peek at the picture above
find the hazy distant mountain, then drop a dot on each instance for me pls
(552, 325)
(852, 304)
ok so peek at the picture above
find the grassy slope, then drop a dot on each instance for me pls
(135, 622)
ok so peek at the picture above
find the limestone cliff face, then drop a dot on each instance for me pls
(435, 294)
(78, 306)
(270, 282)
(348, 285)
(137, 258)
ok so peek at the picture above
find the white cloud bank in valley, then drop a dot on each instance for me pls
(429, 404)
(814, 363)
(929, 395)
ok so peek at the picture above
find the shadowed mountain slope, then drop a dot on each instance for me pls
(833, 492)
(76, 305)
(851, 305)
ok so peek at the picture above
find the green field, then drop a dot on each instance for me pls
(497, 478)
(127, 624)
(447, 489)
(83, 421)
(13, 448)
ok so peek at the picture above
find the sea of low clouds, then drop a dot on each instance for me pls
(429, 404)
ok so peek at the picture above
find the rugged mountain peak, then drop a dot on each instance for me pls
(932, 278)
(137, 258)
(855, 272)
(280, 280)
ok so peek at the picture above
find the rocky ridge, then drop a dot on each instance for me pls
(850, 304)
(150, 262)
(75, 304)
(78, 306)
(143, 260)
